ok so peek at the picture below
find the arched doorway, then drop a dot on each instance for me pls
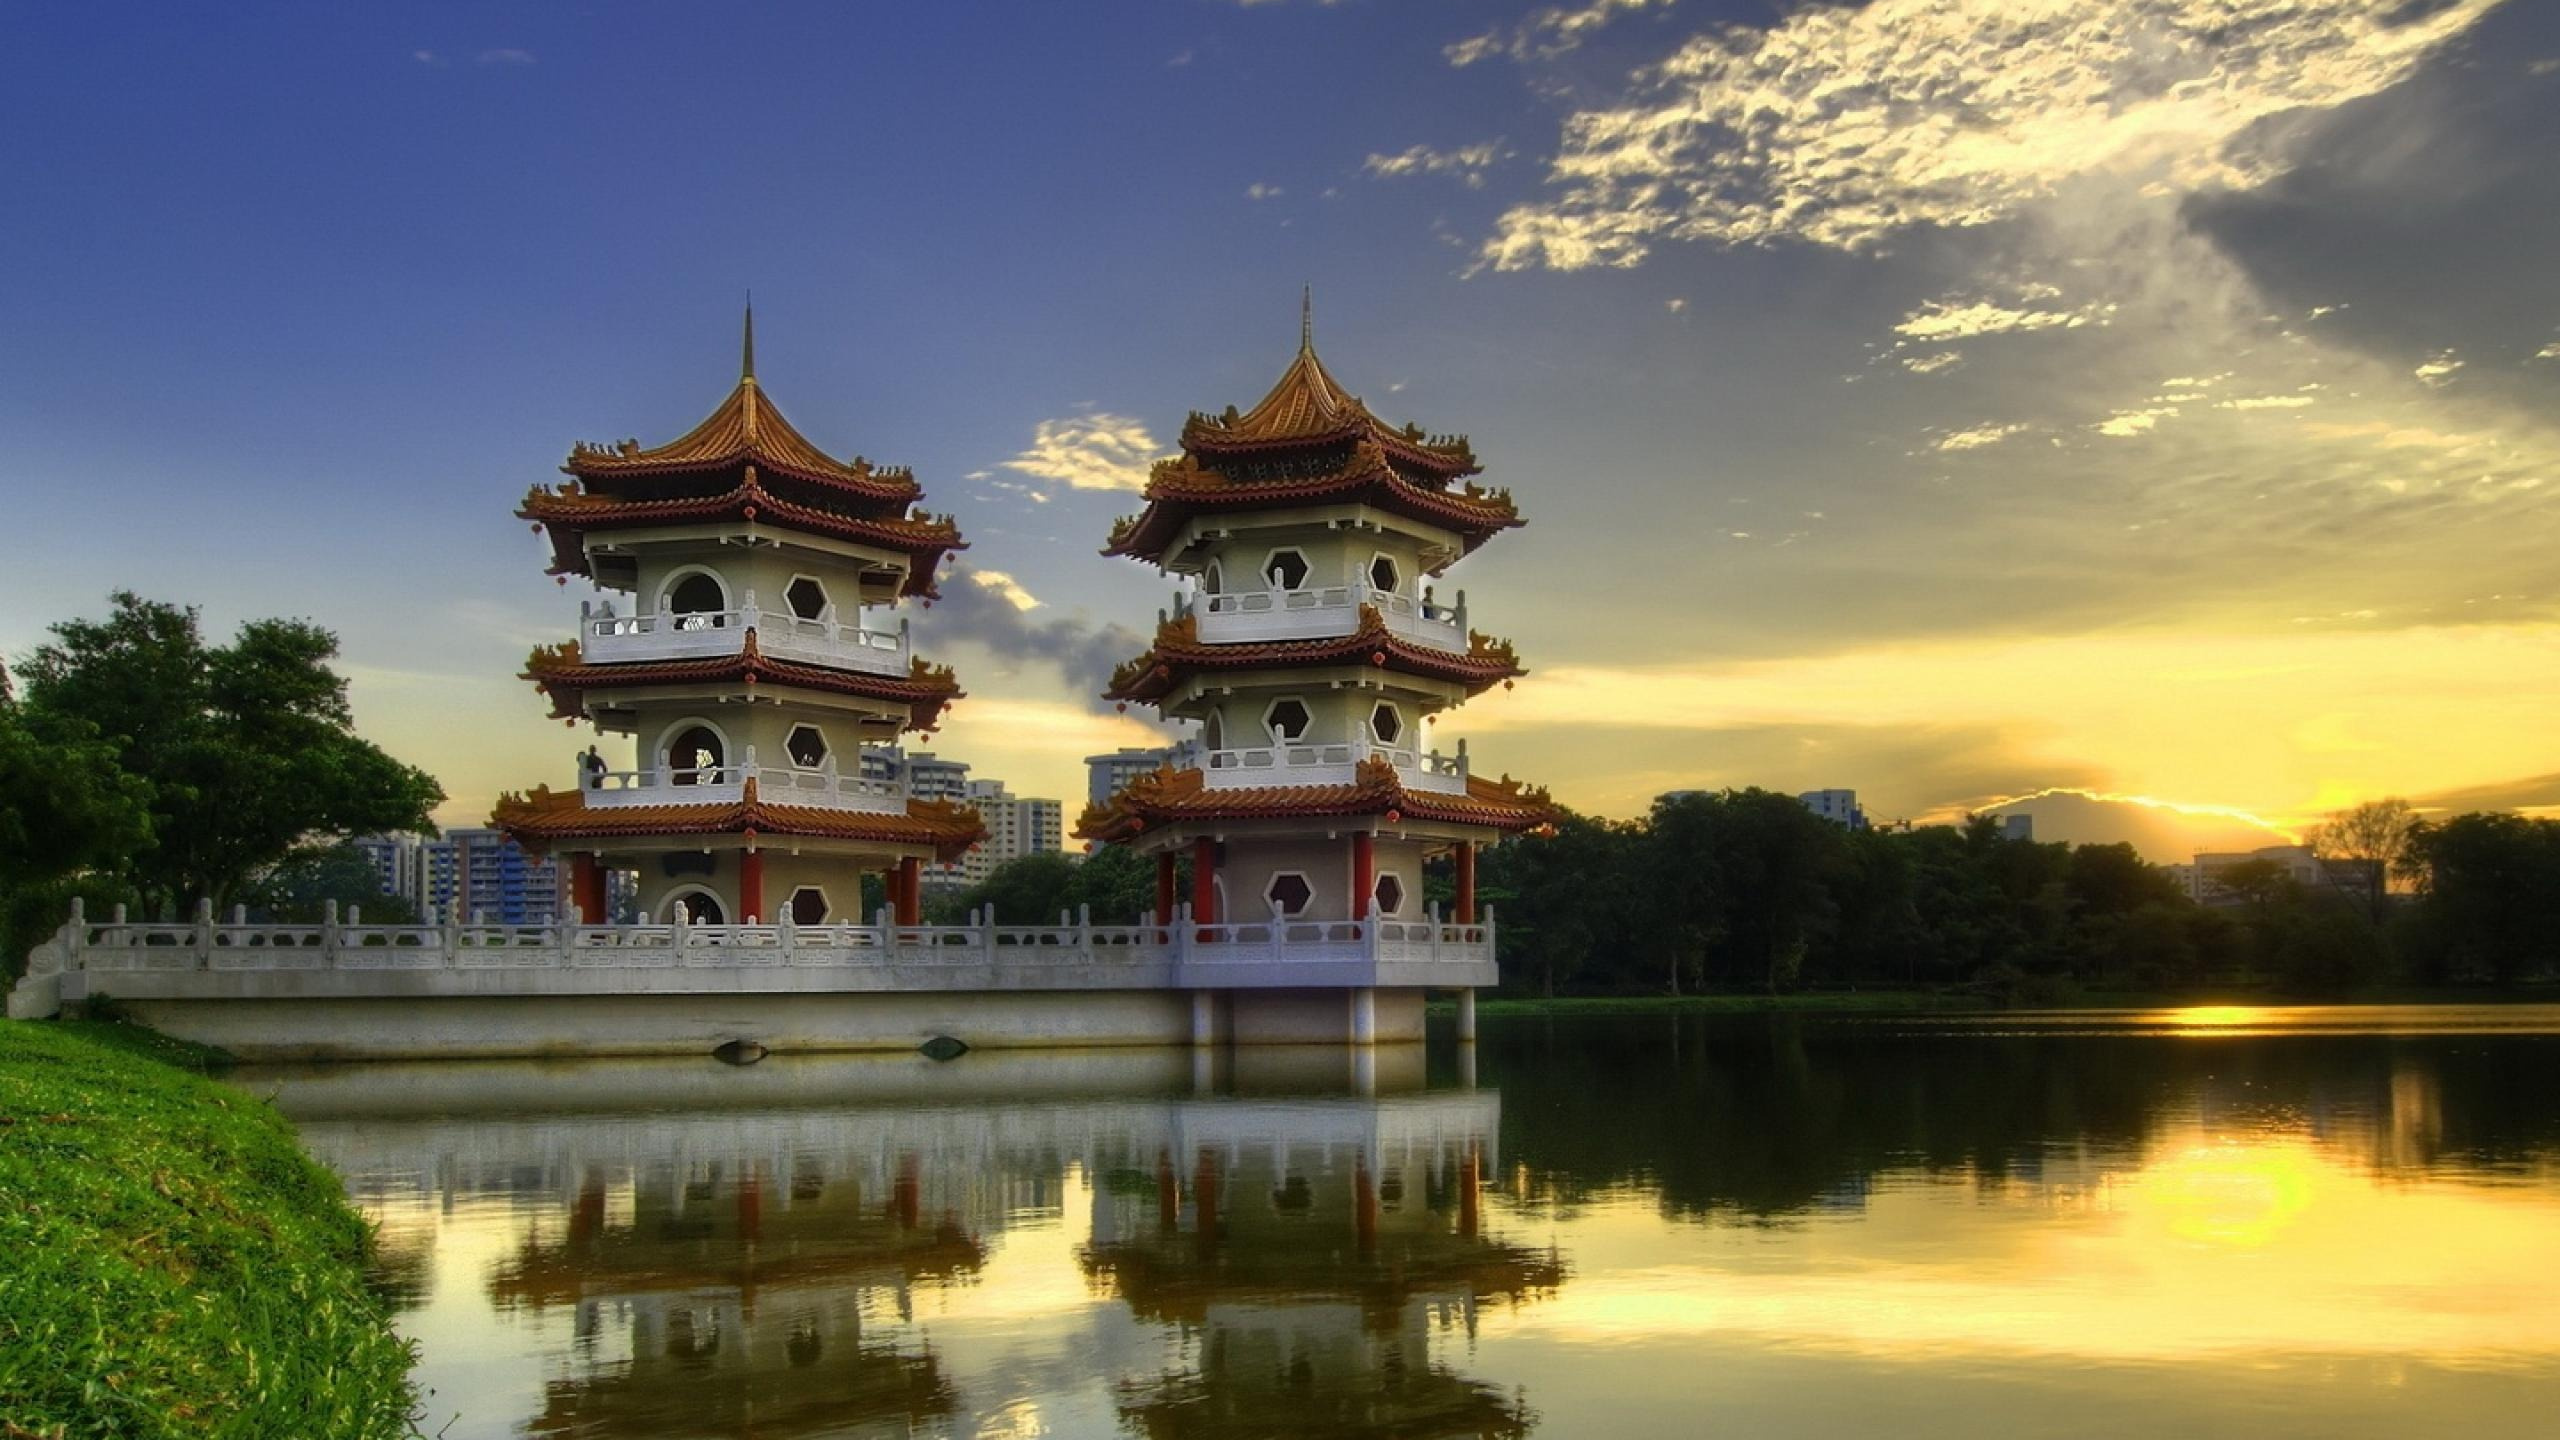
(696, 756)
(700, 907)
(697, 601)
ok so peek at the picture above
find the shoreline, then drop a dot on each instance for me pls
(144, 1190)
(1918, 1002)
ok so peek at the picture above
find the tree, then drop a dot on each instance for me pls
(248, 750)
(2491, 887)
(2256, 883)
(2378, 831)
(300, 889)
(71, 820)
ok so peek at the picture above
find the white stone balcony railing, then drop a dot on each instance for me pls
(822, 786)
(1323, 614)
(1301, 762)
(607, 638)
(208, 960)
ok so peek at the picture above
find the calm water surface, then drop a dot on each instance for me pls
(2228, 1222)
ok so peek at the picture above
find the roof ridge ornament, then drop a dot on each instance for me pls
(747, 350)
(1307, 320)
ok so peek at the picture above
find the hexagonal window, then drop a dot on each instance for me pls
(1386, 723)
(1390, 894)
(807, 597)
(1289, 893)
(1286, 570)
(808, 906)
(807, 746)
(1383, 574)
(1287, 719)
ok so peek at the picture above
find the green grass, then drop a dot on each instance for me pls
(171, 1263)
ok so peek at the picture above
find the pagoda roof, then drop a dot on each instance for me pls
(1309, 408)
(559, 672)
(1179, 653)
(1169, 796)
(1185, 486)
(746, 429)
(569, 511)
(543, 817)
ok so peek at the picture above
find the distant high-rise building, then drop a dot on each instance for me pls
(1840, 807)
(1016, 826)
(2015, 826)
(465, 873)
(395, 863)
(1108, 775)
(2360, 879)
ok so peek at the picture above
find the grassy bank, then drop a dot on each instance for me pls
(171, 1263)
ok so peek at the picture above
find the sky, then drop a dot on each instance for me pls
(2138, 413)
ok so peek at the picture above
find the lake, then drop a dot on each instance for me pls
(2221, 1221)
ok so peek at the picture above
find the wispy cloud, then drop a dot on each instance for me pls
(1093, 451)
(1467, 162)
(506, 56)
(1259, 191)
(1978, 437)
(1545, 34)
(1842, 127)
(2439, 369)
(1960, 319)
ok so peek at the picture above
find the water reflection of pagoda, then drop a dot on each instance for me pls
(743, 1300)
(1310, 1260)
(1314, 1271)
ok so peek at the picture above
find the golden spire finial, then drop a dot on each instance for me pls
(747, 357)
(1307, 319)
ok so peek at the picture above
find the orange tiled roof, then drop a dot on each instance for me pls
(559, 672)
(544, 817)
(747, 428)
(569, 511)
(1182, 487)
(1179, 652)
(1169, 796)
(1309, 407)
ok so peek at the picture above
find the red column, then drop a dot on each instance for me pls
(1204, 880)
(1164, 887)
(1466, 857)
(586, 887)
(1364, 873)
(1470, 1183)
(910, 900)
(751, 887)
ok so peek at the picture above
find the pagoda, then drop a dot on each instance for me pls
(745, 667)
(1311, 646)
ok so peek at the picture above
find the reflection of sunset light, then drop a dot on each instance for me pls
(2214, 1017)
(2228, 1193)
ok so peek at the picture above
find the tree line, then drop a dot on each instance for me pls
(143, 765)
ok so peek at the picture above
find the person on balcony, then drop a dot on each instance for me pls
(591, 769)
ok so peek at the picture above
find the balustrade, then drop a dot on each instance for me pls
(1322, 613)
(821, 786)
(1300, 762)
(607, 638)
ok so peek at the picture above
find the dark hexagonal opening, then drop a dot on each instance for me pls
(1289, 894)
(808, 598)
(1390, 894)
(1286, 570)
(1382, 573)
(1289, 719)
(807, 746)
(1386, 724)
(808, 906)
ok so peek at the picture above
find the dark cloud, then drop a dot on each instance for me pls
(976, 611)
(2430, 212)
(2530, 792)
(2162, 835)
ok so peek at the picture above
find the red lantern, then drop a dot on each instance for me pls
(1377, 657)
(560, 580)
(1124, 707)
(1395, 817)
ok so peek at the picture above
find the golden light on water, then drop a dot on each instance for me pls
(2214, 1017)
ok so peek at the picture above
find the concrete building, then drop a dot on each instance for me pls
(1016, 826)
(2014, 826)
(1108, 775)
(1840, 807)
(2361, 880)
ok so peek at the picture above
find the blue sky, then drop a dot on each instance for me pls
(1951, 400)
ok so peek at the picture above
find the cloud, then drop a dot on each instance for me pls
(1844, 127)
(1954, 319)
(2164, 831)
(1467, 162)
(986, 607)
(1094, 451)
(2438, 369)
(507, 56)
(2532, 792)
(426, 57)
(1676, 304)
(2266, 402)
(1978, 437)
(1259, 191)
(1545, 34)
(2548, 352)
(2126, 423)
(1933, 362)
